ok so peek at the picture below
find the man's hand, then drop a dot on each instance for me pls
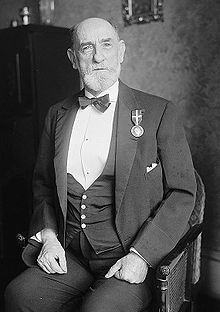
(131, 268)
(52, 256)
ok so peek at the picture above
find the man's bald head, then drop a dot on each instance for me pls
(87, 23)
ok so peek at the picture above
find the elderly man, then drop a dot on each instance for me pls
(113, 188)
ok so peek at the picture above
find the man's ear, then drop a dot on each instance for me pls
(72, 58)
(122, 49)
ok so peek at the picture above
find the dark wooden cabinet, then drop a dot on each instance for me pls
(34, 74)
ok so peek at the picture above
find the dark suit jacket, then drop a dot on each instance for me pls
(152, 208)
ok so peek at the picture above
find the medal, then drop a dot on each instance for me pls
(136, 116)
(137, 131)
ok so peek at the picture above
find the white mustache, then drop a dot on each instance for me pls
(99, 67)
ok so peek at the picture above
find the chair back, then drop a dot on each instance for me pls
(198, 211)
(197, 218)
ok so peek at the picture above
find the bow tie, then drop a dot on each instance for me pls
(101, 103)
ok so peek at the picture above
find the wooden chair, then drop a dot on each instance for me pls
(179, 271)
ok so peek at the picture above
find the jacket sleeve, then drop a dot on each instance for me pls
(159, 235)
(43, 182)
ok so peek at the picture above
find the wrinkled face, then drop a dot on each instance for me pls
(98, 54)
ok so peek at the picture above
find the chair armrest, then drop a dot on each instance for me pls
(21, 240)
(176, 252)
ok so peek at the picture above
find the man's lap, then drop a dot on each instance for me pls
(38, 291)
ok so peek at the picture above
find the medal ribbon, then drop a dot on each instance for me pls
(136, 116)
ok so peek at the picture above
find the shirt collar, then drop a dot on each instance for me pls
(112, 91)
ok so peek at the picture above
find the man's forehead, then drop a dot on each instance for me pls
(95, 29)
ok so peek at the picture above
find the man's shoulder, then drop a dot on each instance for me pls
(144, 98)
(148, 97)
(65, 103)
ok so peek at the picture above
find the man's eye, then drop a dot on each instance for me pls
(107, 44)
(86, 48)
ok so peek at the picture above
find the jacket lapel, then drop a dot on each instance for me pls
(126, 143)
(65, 119)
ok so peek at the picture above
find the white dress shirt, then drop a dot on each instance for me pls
(90, 140)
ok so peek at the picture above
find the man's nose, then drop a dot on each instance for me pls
(98, 55)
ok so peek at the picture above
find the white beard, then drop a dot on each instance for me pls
(98, 81)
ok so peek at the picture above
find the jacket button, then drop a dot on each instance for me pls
(83, 206)
(84, 196)
(83, 216)
(83, 226)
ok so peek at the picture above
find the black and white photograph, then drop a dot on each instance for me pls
(109, 156)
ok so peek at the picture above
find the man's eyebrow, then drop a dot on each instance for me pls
(86, 43)
(82, 44)
(106, 39)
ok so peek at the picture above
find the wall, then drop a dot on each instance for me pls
(179, 60)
